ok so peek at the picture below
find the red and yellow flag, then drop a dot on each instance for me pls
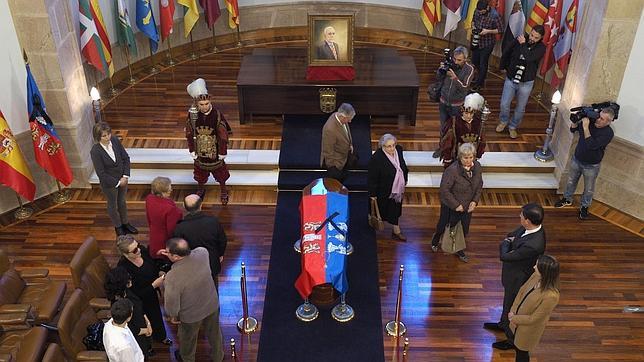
(13, 168)
(233, 13)
(430, 13)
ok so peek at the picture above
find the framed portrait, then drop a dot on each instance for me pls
(330, 40)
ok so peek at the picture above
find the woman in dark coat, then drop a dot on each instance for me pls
(118, 284)
(387, 179)
(146, 278)
(460, 192)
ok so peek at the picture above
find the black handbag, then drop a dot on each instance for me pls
(94, 338)
(434, 91)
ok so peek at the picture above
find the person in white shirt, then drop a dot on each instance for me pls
(118, 339)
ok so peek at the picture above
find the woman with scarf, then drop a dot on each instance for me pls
(387, 179)
(460, 192)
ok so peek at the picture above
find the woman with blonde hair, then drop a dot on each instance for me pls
(532, 307)
(162, 214)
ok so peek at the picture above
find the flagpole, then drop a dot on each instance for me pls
(132, 80)
(426, 47)
(61, 197)
(193, 55)
(540, 94)
(113, 91)
(239, 42)
(153, 68)
(214, 40)
(22, 212)
(169, 62)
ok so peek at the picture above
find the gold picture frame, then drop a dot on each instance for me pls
(330, 40)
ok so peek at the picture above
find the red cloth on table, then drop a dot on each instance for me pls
(330, 73)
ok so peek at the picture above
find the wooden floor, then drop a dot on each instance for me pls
(445, 301)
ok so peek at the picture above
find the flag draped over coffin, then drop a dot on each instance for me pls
(324, 242)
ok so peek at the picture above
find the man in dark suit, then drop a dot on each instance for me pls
(112, 166)
(519, 252)
(328, 49)
(199, 229)
(337, 145)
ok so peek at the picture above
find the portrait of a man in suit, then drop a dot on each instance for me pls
(328, 49)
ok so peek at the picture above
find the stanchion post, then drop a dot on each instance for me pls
(246, 324)
(396, 327)
(545, 154)
(233, 353)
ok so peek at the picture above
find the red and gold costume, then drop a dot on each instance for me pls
(456, 132)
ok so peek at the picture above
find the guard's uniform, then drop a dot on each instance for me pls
(456, 132)
(208, 140)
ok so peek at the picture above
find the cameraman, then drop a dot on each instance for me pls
(455, 85)
(486, 24)
(521, 62)
(594, 136)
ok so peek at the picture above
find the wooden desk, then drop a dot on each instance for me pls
(272, 81)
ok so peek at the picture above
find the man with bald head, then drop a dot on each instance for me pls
(202, 230)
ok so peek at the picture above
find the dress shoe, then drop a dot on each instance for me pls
(119, 231)
(398, 236)
(503, 345)
(493, 326)
(128, 228)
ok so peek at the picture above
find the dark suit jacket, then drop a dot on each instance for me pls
(382, 174)
(324, 51)
(109, 172)
(203, 230)
(336, 144)
(519, 257)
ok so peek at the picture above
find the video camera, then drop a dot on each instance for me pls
(592, 111)
(448, 63)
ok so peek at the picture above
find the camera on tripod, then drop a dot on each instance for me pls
(476, 37)
(592, 111)
(448, 63)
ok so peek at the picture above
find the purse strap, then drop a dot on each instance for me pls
(374, 207)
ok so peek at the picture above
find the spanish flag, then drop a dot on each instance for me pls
(13, 168)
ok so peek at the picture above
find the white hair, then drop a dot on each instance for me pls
(328, 28)
(386, 137)
(473, 102)
(346, 110)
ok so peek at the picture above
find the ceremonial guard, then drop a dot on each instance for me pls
(207, 133)
(465, 128)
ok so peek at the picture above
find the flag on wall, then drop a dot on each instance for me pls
(211, 11)
(166, 17)
(190, 15)
(94, 43)
(145, 22)
(430, 14)
(124, 31)
(233, 13)
(453, 15)
(538, 15)
(551, 27)
(48, 149)
(563, 48)
(13, 168)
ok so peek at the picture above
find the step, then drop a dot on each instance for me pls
(417, 161)
(185, 177)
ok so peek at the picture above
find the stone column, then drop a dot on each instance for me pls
(604, 41)
(45, 32)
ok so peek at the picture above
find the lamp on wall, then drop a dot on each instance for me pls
(96, 102)
(545, 154)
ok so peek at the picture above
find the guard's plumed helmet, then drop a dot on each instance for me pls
(473, 103)
(198, 90)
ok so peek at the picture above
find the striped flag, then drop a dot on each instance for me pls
(94, 43)
(124, 31)
(453, 15)
(551, 27)
(233, 13)
(166, 17)
(190, 15)
(430, 14)
(538, 15)
(14, 171)
(563, 48)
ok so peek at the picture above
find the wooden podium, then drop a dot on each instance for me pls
(273, 81)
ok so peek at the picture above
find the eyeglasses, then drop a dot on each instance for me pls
(135, 250)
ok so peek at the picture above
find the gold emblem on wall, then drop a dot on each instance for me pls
(327, 99)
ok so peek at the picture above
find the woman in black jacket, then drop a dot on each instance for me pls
(387, 179)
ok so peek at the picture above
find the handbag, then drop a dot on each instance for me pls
(375, 221)
(434, 91)
(94, 338)
(453, 239)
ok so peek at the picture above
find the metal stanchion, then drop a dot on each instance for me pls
(22, 212)
(233, 353)
(405, 349)
(545, 154)
(397, 327)
(61, 196)
(246, 324)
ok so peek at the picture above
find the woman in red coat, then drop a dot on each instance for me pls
(163, 215)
